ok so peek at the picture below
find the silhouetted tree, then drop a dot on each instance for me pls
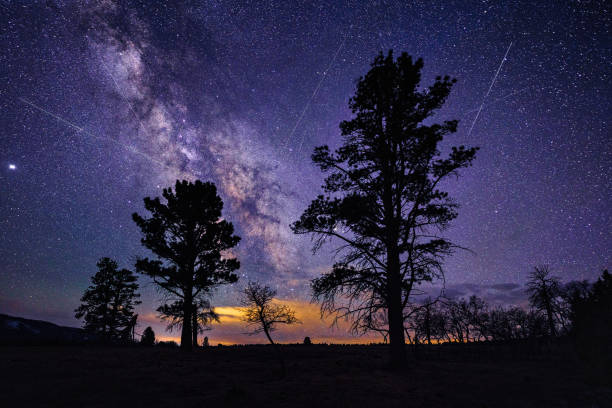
(307, 341)
(189, 238)
(261, 313)
(592, 327)
(512, 323)
(458, 319)
(383, 199)
(463, 318)
(205, 342)
(475, 309)
(168, 344)
(572, 295)
(129, 330)
(148, 337)
(108, 304)
(428, 322)
(543, 290)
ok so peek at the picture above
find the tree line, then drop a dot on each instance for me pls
(383, 207)
(556, 310)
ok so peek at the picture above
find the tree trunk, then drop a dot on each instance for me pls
(194, 326)
(187, 313)
(428, 324)
(395, 314)
(551, 320)
(278, 353)
(269, 338)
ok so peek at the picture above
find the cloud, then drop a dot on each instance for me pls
(500, 294)
(505, 286)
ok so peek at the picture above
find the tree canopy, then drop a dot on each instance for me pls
(544, 290)
(260, 311)
(108, 304)
(190, 240)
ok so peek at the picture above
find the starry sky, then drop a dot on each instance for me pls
(106, 102)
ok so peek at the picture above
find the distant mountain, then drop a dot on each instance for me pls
(17, 330)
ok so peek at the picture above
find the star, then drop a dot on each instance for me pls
(11, 166)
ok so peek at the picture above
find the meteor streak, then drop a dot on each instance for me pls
(88, 133)
(490, 87)
(314, 94)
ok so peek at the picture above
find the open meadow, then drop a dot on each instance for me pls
(317, 376)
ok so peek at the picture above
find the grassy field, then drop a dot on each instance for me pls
(317, 376)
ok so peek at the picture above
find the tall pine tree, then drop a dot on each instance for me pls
(382, 200)
(189, 238)
(108, 304)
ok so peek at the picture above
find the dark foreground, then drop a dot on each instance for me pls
(317, 376)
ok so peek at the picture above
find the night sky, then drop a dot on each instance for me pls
(104, 103)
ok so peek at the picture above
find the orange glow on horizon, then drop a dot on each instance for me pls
(232, 330)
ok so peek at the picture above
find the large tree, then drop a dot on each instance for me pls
(190, 240)
(382, 198)
(108, 304)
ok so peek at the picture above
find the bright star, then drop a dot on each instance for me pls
(12, 167)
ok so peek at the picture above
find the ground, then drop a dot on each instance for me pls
(317, 376)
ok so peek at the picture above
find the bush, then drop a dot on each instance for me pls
(148, 337)
(169, 344)
(307, 341)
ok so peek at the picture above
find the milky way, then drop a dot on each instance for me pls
(138, 94)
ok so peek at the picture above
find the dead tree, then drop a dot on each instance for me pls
(262, 314)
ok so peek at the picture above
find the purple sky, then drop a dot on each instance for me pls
(106, 103)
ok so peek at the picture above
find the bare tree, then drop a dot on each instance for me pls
(475, 310)
(427, 322)
(543, 290)
(263, 315)
(457, 316)
(511, 323)
(463, 317)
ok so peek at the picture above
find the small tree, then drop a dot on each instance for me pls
(263, 315)
(189, 238)
(108, 304)
(148, 337)
(260, 311)
(427, 322)
(543, 290)
(458, 319)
